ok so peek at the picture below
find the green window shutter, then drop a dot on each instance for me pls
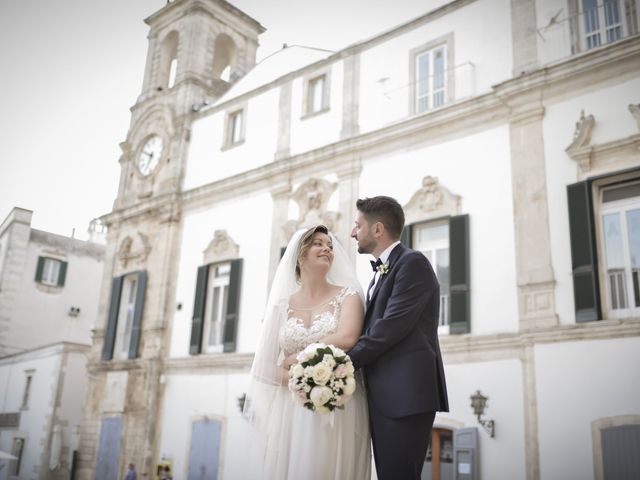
(112, 320)
(62, 275)
(584, 256)
(460, 278)
(233, 307)
(136, 328)
(39, 269)
(197, 322)
(406, 238)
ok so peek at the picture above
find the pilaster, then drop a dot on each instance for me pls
(530, 398)
(536, 283)
(523, 32)
(351, 96)
(284, 122)
(348, 189)
(280, 214)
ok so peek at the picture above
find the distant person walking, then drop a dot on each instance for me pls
(131, 474)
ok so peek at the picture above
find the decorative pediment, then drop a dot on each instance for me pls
(134, 249)
(312, 198)
(431, 201)
(635, 111)
(579, 149)
(221, 247)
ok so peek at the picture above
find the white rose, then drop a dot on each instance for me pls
(311, 350)
(337, 352)
(329, 361)
(302, 357)
(296, 371)
(350, 387)
(320, 395)
(308, 372)
(350, 368)
(321, 373)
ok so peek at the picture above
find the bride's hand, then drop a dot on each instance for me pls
(290, 360)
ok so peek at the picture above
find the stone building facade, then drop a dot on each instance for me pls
(49, 288)
(512, 142)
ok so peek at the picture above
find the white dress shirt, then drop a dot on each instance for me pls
(384, 256)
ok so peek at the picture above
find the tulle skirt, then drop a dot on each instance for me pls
(302, 444)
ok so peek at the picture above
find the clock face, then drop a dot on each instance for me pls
(150, 155)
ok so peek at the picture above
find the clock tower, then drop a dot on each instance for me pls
(197, 50)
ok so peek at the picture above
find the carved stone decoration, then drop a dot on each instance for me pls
(312, 198)
(221, 247)
(134, 250)
(635, 111)
(579, 150)
(431, 201)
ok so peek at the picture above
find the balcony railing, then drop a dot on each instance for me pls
(609, 22)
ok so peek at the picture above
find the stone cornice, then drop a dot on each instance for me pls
(455, 348)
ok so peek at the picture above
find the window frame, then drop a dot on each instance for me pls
(444, 320)
(601, 209)
(126, 315)
(307, 102)
(16, 465)
(446, 42)
(229, 140)
(214, 282)
(59, 272)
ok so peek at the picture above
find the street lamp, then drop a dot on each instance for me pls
(479, 403)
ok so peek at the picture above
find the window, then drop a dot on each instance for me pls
(620, 223)
(602, 22)
(126, 316)
(124, 324)
(16, 450)
(432, 239)
(439, 460)
(216, 308)
(445, 243)
(27, 388)
(234, 129)
(315, 98)
(604, 227)
(50, 271)
(215, 311)
(173, 68)
(430, 79)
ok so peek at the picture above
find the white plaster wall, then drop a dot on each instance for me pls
(42, 317)
(609, 106)
(248, 223)
(477, 168)
(34, 420)
(208, 162)
(72, 397)
(553, 40)
(485, 43)
(501, 457)
(185, 400)
(321, 129)
(577, 383)
(4, 240)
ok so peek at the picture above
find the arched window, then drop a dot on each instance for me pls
(168, 61)
(224, 57)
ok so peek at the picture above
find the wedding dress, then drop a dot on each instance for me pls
(301, 444)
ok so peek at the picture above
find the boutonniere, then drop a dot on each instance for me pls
(384, 268)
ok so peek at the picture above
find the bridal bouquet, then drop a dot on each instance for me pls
(322, 380)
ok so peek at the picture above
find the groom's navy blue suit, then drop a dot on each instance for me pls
(400, 355)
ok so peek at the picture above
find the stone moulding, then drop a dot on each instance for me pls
(220, 248)
(312, 198)
(635, 111)
(579, 150)
(431, 201)
(134, 249)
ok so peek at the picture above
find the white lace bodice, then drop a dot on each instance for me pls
(323, 320)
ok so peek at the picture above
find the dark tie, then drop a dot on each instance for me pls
(375, 265)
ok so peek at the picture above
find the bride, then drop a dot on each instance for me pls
(315, 297)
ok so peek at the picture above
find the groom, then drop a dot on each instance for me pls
(399, 350)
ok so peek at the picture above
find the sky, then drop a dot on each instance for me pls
(71, 69)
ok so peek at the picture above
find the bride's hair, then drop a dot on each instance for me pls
(305, 244)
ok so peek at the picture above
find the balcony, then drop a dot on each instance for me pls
(598, 24)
